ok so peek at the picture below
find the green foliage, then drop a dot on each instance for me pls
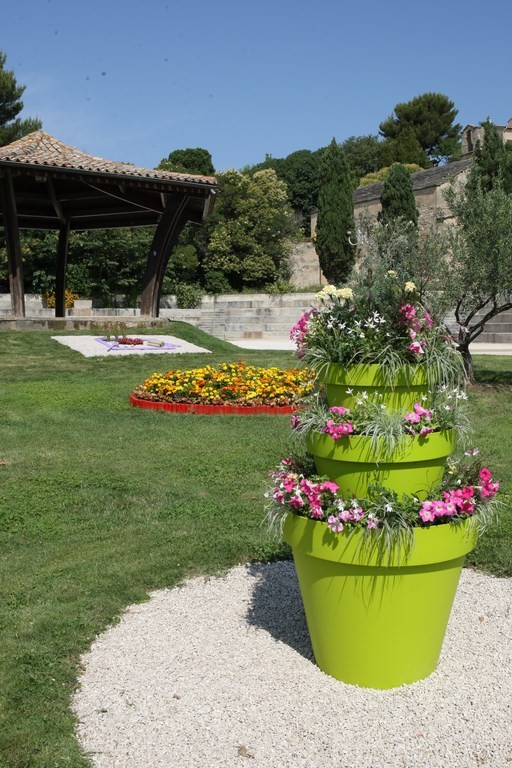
(430, 118)
(492, 161)
(188, 296)
(397, 198)
(11, 126)
(246, 237)
(405, 148)
(478, 277)
(478, 274)
(363, 155)
(383, 173)
(196, 161)
(335, 220)
(101, 263)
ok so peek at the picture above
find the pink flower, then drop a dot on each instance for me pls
(295, 421)
(335, 524)
(316, 512)
(328, 486)
(408, 311)
(485, 474)
(296, 502)
(428, 320)
(467, 492)
(467, 507)
(489, 489)
(412, 334)
(427, 512)
(412, 417)
(416, 348)
(424, 431)
(422, 411)
(339, 409)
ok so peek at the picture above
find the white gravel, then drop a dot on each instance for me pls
(219, 672)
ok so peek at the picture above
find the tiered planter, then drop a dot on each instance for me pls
(377, 618)
(373, 622)
(407, 388)
(354, 464)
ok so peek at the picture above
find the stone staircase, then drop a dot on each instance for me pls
(497, 331)
(254, 316)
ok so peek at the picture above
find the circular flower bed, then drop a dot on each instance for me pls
(229, 388)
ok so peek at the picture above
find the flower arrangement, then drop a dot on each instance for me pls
(442, 409)
(130, 341)
(381, 320)
(467, 491)
(236, 383)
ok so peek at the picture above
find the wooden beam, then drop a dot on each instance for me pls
(55, 202)
(167, 232)
(60, 279)
(12, 242)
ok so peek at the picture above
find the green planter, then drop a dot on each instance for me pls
(377, 621)
(353, 464)
(405, 390)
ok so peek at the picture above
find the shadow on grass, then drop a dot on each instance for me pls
(276, 605)
(493, 371)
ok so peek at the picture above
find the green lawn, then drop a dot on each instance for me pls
(101, 502)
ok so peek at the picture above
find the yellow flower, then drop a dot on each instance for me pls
(409, 287)
(345, 293)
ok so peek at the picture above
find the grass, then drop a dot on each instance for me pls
(100, 503)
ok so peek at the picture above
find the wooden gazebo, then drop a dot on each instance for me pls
(45, 184)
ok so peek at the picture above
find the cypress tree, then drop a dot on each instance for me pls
(335, 221)
(397, 198)
(492, 161)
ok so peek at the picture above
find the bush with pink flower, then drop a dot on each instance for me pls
(467, 492)
(379, 319)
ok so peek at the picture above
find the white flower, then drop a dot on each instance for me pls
(391, 273)
(345, 293)
(388, 508)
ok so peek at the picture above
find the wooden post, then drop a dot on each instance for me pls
(60, 279)
(12, 242)
(167, 232)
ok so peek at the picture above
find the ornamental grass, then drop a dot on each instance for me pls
(236, 383)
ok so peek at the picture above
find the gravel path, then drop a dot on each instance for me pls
(219, 672)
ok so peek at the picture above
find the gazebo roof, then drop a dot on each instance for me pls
(42, 149)
(54, 182)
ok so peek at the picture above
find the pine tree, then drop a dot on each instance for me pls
(335, 221)
(397, 198)
(11, 127)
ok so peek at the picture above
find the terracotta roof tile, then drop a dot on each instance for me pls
(40, 148)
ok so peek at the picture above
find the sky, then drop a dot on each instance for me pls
(132, 81)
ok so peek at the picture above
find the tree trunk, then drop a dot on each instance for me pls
(468, 360)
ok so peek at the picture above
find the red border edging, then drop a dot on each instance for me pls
(239, 410)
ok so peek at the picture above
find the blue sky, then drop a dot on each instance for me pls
(132, 81)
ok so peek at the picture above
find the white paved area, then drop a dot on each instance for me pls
(90, 346)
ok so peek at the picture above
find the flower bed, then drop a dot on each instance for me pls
(230, 388)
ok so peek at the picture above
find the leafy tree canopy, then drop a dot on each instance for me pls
(363, 154)
(245, 241)
(12, 127)
(197, 161)
(431, 117)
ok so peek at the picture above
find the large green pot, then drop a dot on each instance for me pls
(400, 394)
(375, 621)
(354, 464)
